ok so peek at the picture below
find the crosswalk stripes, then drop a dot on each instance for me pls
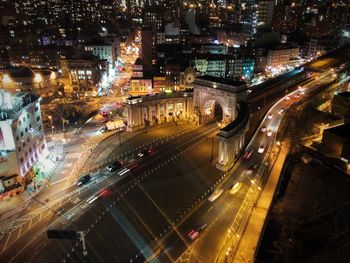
(92, 142)
(75, 155)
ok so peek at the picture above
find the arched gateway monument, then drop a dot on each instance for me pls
(212, 99)
(216, 98)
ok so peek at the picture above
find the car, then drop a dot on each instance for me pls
(251, 169)
(269, 116)
(269, 133)
(248, 154)
(297, 96)
(261, 149)
(286, 98)
(60, 211)
(235, 188)
(84, 180)
(146, 152)
(215, 195)
(193, 233)
(281, 111)
(104, 114)
(102, 129)
(114, 166)
(263, 129)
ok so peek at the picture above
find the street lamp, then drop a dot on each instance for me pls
(6, 80)
(38, 78)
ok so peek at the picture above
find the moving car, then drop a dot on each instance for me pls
(263, 129)
(114, 125)
(146, 152)
(102, 129)
(235, 188)
(261, 149)
(104, 114)
(84, 180)
(248, 154)
(114, 166)
(269, 116)
(281, 111)
(215, 195)
(127, 169)
(286, 98)
(269, 133)
(251, 169)
(193, 233)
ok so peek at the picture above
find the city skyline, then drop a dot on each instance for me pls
(174, 131)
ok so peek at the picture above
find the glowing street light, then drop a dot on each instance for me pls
(53, 75)
(6, 80)
(38, 78)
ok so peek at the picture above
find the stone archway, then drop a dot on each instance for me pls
(212, 110)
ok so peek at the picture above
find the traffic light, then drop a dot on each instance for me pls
(62, 234)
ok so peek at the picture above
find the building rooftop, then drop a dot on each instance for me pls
(345, 94)
(282, 47)
(342, 131)
(97, 42)
(24, 72)
(225, 81)
(80, 56)
(11, 105)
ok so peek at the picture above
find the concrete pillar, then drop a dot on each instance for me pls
(166, 112)
(158, 111)
(142, 115)
(236, 145)
(221, 155)
(129, 119)
(225, 152)
(149, 111)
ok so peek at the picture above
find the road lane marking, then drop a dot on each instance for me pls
(58, 181)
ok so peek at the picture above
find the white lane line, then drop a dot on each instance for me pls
(58, 181)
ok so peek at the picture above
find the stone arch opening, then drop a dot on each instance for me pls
(212, 111)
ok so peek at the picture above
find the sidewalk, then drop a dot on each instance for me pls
(251, 237)
(11, 205)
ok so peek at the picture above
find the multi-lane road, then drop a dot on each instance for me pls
(149, 211)
(159, 207)
(211, 247)
(169, 165)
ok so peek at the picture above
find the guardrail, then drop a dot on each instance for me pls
(240, 221)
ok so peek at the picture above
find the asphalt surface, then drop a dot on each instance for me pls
(161, 157)
(209, 247)
(146, 213)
